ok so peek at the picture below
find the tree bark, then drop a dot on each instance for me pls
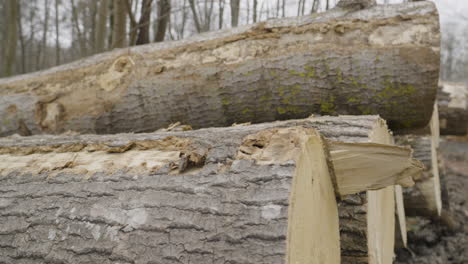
(101, 31)
(196, 20)
(133, 23)
(11, 38)
(239, 193)
(57, 33)
(120, 24)
(164, 14)
(144, 24)
(255, 3)
(274, 70)
(235, 7)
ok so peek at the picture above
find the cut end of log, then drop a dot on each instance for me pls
(313, 209)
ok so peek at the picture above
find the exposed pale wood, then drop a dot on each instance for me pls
(401, 232)
(377, 165)
(274, 70)
(212, 186)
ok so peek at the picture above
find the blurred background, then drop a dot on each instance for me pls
(39, 34)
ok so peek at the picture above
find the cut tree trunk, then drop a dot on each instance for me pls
(453, 104)
(383, 60)
(244, 194)
(424, 198)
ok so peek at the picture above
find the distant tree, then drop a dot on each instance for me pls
(57, 33)
(101, 25)
(235, 7)
(196, 20)
(144, 23)
(221, 13)
(120, 24)
(255, 4)
(164, 15)
(11, 38)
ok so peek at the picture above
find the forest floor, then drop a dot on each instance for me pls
(444, 240)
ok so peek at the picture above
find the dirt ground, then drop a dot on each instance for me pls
(443, 240)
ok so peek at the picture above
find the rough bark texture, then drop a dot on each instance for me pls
(204, 207)
(383, 60)
(453, 108)
(424, 198)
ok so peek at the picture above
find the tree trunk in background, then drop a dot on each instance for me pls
(57, 33)
(133, 23)
(283, 9)
(91, 26)
(120, 24)
(145, 21)
(11, 38)
(111, 23)
(248, 194)
(101, 31)
(79, 33)
(164, 14)
(255, 4)
(260, 73)
(21, 39)
(221, 14)
(235, 7)
(208, 12)
(196, 20)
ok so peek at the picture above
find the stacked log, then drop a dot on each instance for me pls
(317, 190)
(243, 194)
(453, 103)
(424, 199)
(382, 60)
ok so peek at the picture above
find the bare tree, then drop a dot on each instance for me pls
(133, 22)
(164, 14)
(120, 24)
(255, 3)
(315, 6)
(101, 30)
(43, 45)
(196, 20)
(76, 26)
(144, 23)
(235, 7)
(11, 38)
(57, 33)
(21, 39)
(283, 8)
(221, 13)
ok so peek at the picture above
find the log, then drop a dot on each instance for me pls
(453, 103)
(424, 198)
(274, 70)
(244, 194)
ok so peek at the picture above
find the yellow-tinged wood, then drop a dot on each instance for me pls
(381, 225)
(401, 216)
(313, 229)
(370, 166)
(381, 212)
